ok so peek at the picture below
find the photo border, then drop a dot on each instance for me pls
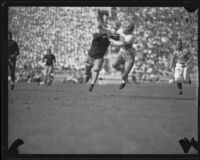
(76, 3)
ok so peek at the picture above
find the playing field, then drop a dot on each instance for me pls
(146, 118)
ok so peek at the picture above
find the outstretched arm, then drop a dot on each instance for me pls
(116, 43)
(125, 40)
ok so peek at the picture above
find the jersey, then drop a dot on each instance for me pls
(13, 49)
(182, 57)
(100, 44)
(49, 59)
(127, 39)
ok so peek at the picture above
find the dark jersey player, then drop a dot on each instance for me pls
(95, 58)
(49, 64)
(13, 52)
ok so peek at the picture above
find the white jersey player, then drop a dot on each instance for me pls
(126, 57)
(181, 60)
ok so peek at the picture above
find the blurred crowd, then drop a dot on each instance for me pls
(68, 32)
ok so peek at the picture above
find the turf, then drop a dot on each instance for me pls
(145, 118)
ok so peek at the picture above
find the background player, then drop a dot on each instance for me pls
(181, 60)
(13, 52)
(126, 56)
(95, 58)
(50, 60)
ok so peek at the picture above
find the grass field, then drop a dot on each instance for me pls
(145, 118)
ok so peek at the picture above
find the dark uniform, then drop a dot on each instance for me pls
(13, 52)
(100, 44)
(50, 59)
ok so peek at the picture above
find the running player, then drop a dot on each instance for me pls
(95, 58)
(126, 56)
(181, 61)
(13, 52)
(50, 60)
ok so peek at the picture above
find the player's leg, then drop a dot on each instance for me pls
(129, 59)
(49, 74)
(98, 63)
(9, 73)
(9, 68)
(46, 74)
(186, 76)
(118, 63)
(48, 68)
(127, 68)
(12, 73)
(180, 89)
(88, 66)
(178, 77)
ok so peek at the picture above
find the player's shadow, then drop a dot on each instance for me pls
(163, 98)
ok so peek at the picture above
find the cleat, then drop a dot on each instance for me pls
(91, 88)
(122, 85)
(180, 92)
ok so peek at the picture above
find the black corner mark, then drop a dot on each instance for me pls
(14, 147)
(191, 9)
(195, 144)
(186, 144)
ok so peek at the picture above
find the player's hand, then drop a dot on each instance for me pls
(111, 40)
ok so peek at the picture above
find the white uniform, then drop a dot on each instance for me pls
(127, 51)
(182, 59)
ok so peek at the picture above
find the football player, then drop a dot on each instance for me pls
(13, 52)
(181, 61)
(126, 56)
(50, 60)
(95, 59)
